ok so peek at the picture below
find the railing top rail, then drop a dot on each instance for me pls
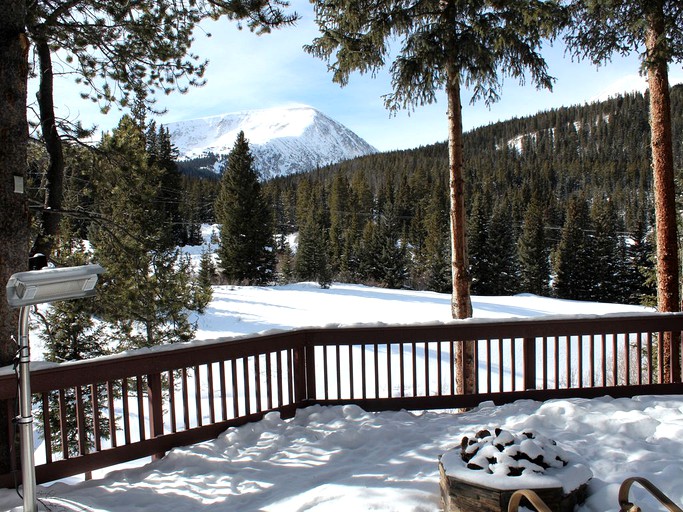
(172, 357)
(147, 361)
(487, 328)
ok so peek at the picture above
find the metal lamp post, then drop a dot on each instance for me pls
(25, 289)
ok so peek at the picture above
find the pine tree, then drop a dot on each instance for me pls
(148, 290)
(533, 252)
(391, 260)
(501, 246)
(641, 279)
(573, 256)
(340, 224)
(205, 279)
(442, 45)
(437, 245)
(246, 249)
(312, 261)
(163, 154)
(285, 261)
(609, 269)
(432, 265)
(478, 247)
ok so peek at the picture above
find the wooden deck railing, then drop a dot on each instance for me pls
(121, 408)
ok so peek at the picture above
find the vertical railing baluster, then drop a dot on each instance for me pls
(438, 369)
(615, 359)
(603, 340)
(269, 381)
(311, 391)
(426, 358)
(80, 423)
(591, 361)
(501, 366)
(112, 413)
(257, 382)
(185, 397)
(364, 379)
(414, 368)
(352, 393)
(141, 408)
(568, 361)
(627, 358)
(247, 387)
(639, 357)
(235, 389)
(338, 373)
(126, 412)
(278, 376)
(513, 365)
(47, 430)
(95, 405)
(155, 405)
(650, 359)
(326, 383)
(212, 402)
(375, 351)
(556, 361)
(402, 370)
(63, 424)
(198, 396)
(529, 362)
(224, 392)
(291, 376)
(489, 375)
(171, 401)
(389, 383)
(580, 362)
(544, 361)
(660, 357)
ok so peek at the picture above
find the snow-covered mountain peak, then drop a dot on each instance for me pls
(283, 140)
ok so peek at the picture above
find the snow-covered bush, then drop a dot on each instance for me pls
(504, 453)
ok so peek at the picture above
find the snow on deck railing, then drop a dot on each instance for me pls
(97, 413)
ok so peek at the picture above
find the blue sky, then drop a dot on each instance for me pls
(247, 71)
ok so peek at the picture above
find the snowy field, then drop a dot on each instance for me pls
(342, 458)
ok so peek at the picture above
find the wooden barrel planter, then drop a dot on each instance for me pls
(482, 474)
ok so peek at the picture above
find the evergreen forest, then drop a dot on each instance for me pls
(559, 203)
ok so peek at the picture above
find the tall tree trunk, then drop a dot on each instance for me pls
(14, 217)
(664, 186)
(54, 176)
(461, 304)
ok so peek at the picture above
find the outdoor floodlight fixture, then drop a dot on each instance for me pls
(25, 289)
(52, 284)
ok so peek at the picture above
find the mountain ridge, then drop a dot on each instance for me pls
(283, 140)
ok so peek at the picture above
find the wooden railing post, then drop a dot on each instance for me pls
(299, 375)
(156, 411)
(529, 357)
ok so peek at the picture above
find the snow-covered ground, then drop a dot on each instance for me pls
(342, 458)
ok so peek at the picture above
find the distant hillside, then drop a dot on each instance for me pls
(600, 148)
(566, 191)
(283, 140)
